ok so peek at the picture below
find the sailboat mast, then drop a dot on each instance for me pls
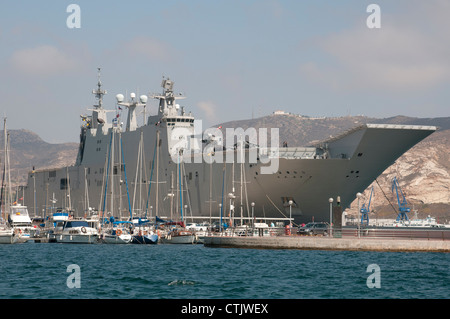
(9, 173)
(86, 191)
(210, 193)
(241, 169)
(171, 195)
(112, 173)
(157, 172)
(68, 189)
(119, 172)
(5, 195)
(181, 186)
(137, 171)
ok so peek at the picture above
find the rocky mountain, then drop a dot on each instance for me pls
(423, 172)
(28, 150)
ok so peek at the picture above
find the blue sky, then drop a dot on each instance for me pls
(231, 58)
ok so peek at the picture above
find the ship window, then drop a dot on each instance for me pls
(190, 175)
(360, 154)
(178, 120)
(52, 174)
(63, 183)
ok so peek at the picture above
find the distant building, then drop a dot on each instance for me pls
(280, 113)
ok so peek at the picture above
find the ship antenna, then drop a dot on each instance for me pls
(99, 92)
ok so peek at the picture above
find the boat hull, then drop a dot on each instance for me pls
(8, 237)
(76, 239)
(145, 239)
(180, 239)
(114, 239)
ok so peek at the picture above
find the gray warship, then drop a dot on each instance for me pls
(165, 169)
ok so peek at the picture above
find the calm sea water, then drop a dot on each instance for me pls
(196, 272)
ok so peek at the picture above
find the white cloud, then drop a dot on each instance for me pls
(209, 110)
(148, 47)
(398, 56)
(45, 60)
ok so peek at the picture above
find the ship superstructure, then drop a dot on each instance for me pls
(166, 168)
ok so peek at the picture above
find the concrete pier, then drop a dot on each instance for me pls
(328, 243)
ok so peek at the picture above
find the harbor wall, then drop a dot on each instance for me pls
(324, 243)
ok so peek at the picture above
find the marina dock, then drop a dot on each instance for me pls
(330, 243)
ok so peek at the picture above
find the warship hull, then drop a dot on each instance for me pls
(146, 178)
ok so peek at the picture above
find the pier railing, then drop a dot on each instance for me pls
(347, 232)
(395, 233)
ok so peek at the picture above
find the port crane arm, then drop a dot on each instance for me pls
(403, 208)
(365, 210)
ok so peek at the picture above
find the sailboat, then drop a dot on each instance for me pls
(114, 232)
(143, 232)
(17, 226)
(118, 233)
(179, 234)
(73, 231)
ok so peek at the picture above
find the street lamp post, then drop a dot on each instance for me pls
(359, 195)
(220, 224)
(253, 215)
(330, 200)
(290, 215)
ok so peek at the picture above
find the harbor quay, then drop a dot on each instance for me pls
(353, 243)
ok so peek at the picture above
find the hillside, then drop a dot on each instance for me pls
(28, 150)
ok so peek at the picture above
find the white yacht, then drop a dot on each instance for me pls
(21, 223)
(200, 230)
(77, 232)
(7, 235)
